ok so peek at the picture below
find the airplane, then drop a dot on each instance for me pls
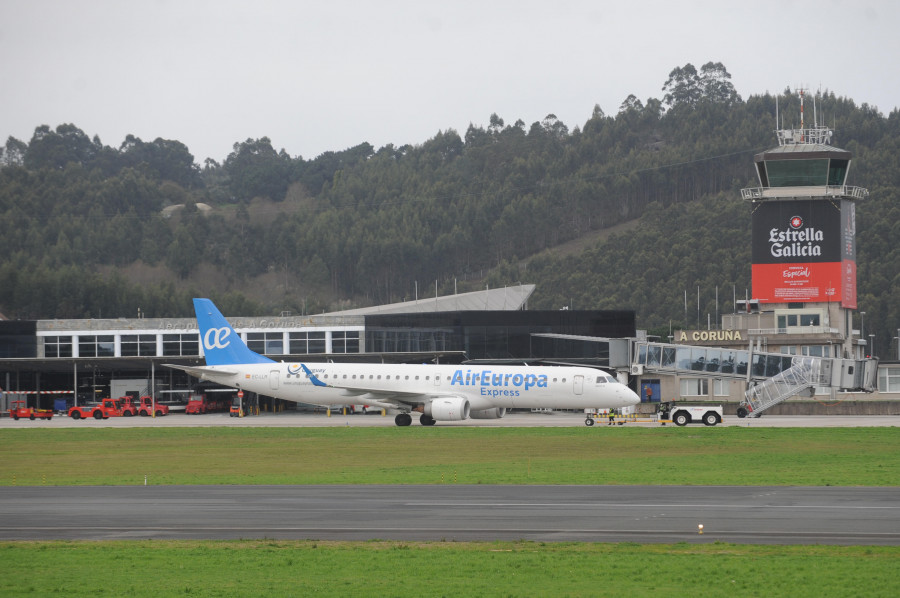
(437, 392)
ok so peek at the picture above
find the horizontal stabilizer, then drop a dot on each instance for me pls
(200, 371)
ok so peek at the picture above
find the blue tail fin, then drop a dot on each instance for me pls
(221, 344)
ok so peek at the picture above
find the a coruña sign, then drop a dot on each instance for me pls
(710, 336)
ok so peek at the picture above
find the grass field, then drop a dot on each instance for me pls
(730, 456)
(269, 568)
(416, 455)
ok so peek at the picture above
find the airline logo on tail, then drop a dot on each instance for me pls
(214, 338)
(221, 344)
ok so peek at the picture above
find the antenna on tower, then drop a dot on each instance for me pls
(815, 116)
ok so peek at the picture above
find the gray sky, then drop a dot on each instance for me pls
(320, 76)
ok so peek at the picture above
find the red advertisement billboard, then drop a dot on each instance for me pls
(804, 251)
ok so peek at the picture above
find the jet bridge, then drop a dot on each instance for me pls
(771, 377)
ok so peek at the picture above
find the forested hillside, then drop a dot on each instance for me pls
(90, 230)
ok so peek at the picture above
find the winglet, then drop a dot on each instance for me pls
(221, 344)
(312, 377)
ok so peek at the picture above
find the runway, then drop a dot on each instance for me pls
(765, 515)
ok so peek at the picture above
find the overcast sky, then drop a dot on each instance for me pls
(320, 76)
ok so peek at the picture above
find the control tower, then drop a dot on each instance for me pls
(804, 245)
(795, 337)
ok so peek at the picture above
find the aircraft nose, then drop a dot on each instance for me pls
(632, 397)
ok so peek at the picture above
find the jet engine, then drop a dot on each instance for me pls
(492, 413)
(448, 409)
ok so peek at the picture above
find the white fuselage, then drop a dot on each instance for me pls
(484, 386)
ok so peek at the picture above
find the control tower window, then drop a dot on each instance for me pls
(797, 173)
(837, 172)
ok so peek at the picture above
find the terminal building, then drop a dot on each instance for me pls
(52, 363)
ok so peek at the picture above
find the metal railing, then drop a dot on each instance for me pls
(849, 191)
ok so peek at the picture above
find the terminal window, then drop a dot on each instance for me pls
(267, 343)
(345, 342)
(57, 346)
(304, 343)
(181, 344)
(793, 320)
(889, 379)
(694, 387)
(133, 345)
(97, 346)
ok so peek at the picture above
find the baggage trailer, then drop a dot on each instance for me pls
(668, 413)
(19, 409)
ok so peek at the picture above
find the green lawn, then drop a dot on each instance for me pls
(416, 455)
(270, 568)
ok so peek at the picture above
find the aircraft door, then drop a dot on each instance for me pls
(579, 384)
(273, 380)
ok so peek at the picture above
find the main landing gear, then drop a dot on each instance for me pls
(404, 419)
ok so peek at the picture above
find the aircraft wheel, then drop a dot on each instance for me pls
(589, 421)
(426, 420)
(403, 419)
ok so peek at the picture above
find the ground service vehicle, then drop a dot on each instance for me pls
(201, 403)
(128, 406)
(147, 408)
(682, 415)
(106, 409)
(19, 409)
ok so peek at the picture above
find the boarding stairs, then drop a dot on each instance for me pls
(804, 375)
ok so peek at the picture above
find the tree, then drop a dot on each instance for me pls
(163, 158)
(631, 103)
(255, 169)
(686, 87)
(715, 84)
(682, 87)
(56, 149)
(15, 152)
